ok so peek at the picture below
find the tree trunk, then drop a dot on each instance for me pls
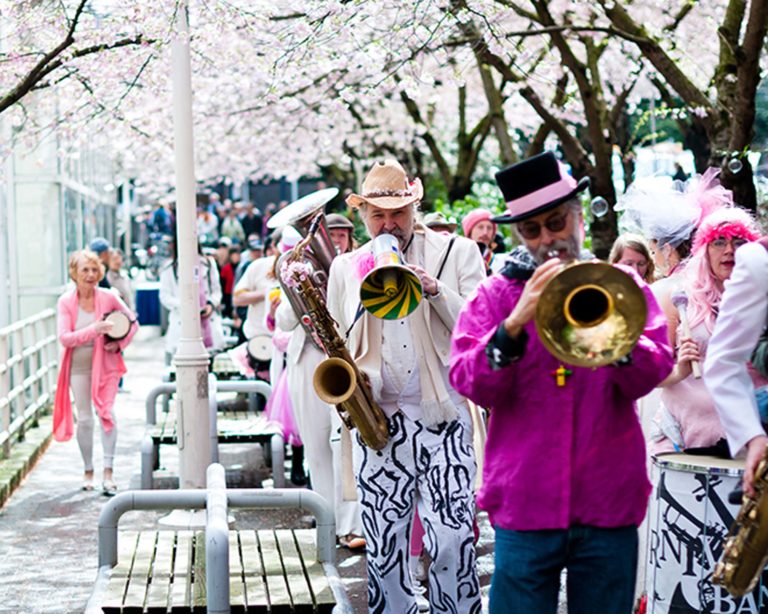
(696, 140)
(603, 230)
(742, 184)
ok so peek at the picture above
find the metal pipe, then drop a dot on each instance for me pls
(166, 389)
(217, 542)
(124, 502)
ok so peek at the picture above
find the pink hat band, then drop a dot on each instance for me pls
(550, 193)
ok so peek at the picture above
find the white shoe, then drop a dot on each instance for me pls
(421, 598)
(416, 567)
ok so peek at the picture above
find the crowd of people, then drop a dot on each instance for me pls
(466, 378)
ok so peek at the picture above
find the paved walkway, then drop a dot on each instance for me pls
(48, 537)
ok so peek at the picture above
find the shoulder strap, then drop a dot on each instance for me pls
(445, 258)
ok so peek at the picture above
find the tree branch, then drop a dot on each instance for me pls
(44, 68)
(651, 49)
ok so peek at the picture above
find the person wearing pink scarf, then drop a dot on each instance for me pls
(91, 364)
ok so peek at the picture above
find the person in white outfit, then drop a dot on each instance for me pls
(740, 321)
(210, 301)
(318, 422)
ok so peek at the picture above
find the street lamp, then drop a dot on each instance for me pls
(191, 359)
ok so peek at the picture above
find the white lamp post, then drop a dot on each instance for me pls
(191, 359)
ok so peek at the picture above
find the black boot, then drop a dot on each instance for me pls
(298, 476)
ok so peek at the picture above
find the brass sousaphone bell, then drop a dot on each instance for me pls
(391, 290)
(591, 314)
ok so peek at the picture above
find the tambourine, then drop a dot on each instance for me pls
(259, 348)
(121, 325)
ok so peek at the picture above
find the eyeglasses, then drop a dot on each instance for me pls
(721, 242)
(532, 230)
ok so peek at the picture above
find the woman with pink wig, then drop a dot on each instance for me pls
(687, 417)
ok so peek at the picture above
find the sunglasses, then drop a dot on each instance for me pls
(721, 242)
(532, 230)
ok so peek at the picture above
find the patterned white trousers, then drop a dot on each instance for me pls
(433, 468)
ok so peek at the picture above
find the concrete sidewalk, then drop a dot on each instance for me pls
(48, 527)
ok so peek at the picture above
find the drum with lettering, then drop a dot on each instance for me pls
(121, 325)
(689, 518)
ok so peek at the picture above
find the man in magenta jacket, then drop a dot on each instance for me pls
(564, 483)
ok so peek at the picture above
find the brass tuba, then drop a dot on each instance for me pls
(745, 552)
(590, 314)
(300, 214)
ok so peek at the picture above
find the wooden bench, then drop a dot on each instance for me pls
(269, 570)
(226, 427)
(219, 570)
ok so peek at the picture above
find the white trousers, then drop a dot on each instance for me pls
(80, 383)
(434, 469)
(319, 425)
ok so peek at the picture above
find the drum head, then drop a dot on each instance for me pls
(260, 348)
(121, 325)
(692, 463)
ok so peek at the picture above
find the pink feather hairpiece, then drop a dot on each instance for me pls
(708, 194)
(364, 264)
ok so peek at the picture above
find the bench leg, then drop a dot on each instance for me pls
(277, 443)
(149, 455)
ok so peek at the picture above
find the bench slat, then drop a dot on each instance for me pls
(232, 426)
(236, 584)
(321, 589)
(118, 579)
(136, 594)
(182, 572)
(253, 572)
(160, 584)
(279, 596)
(198, 587)
(301, 594)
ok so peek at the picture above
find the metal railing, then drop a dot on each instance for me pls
(28, 360)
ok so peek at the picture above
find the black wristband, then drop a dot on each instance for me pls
(503, 349)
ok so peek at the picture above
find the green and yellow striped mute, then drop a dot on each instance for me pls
(391, 290)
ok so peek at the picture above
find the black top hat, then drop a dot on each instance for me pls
(536, 185)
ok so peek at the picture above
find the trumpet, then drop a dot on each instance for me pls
(590, 314)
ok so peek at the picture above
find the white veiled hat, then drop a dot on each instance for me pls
(659, 209)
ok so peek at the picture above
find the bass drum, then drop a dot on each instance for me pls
(121, 325)
(688, 520)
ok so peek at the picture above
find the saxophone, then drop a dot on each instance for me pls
(745, 552)
(337, 380)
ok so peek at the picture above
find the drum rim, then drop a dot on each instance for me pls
(268, 340)
(127, 317)
(664, 461)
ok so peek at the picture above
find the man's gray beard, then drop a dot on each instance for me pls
(402, 240)
(572, 245)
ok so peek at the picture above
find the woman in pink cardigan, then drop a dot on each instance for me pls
(91, 365)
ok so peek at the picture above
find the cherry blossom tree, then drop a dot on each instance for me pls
(715, 72)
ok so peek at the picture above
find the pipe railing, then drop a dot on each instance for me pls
(28, 360)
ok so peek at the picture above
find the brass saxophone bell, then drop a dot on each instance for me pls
(591, 314)
(391, 290)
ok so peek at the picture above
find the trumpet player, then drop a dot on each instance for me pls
(564, 481)
(429, 460)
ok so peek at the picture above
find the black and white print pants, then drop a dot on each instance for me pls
(433, 468)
